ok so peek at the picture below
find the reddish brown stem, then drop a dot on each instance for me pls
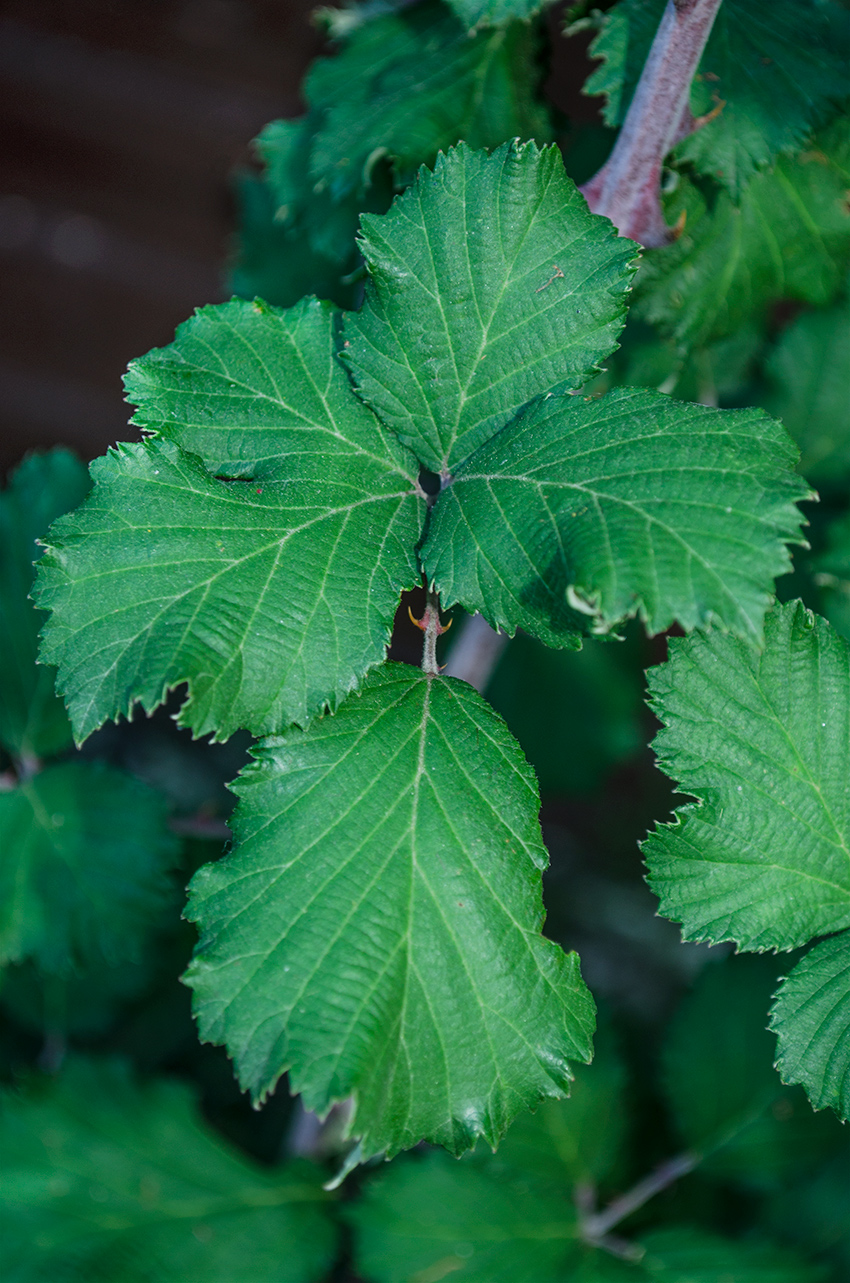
(626, 189)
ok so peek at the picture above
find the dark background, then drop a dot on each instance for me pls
(121, 122)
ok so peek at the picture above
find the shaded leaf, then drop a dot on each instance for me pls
(276, 261)
(682, 1254)
(32, 719)
(788, 239)
(84, 862)
(727, 1100)
(760, 739)
(376, 929)
(491, 282)
(583, 512)
(809, 374)
(79, 1003)
(486, 13)
(107, 1180)
(774, 75)
(811, 1016)
(553, 700)
(581, 1140)
(505, 1216)
(433, 1218)
(271, 599)
(412, 83)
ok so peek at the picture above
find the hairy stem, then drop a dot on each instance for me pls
(476, 652)
(432, 628)
(626, 189)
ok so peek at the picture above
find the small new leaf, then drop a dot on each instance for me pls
(269, 595)
(85, 858)
(104, 1179)
(410, 84)
(376, 930)
(33, 721)
(491, 282)
(583, 512)
(811, 1016)
(759, 737)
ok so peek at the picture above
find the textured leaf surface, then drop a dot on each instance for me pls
(257, 391)
(809, 371)
(788, 239)
(376, 929)
(84, 861)
(761, 740)
(410, 84)
(811, 1016)
(585, 511)
(105, 1180)
(269, 596)
(507, 1216)
(32, 719)
(490, 283)
(777, 73)
(727, 1100)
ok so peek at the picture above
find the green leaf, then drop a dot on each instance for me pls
(376, 929)
(774, 76)
(269, 597)
(276, 260)
(811, 1016)
(581, 1140)
(586, 511)
(84, 862)
(759, 738)
(809, 373)
(815, 1213)
(788, 239)
(431, 1218)
(505, 1216)
(32, 720)
(681, 1254)
(410, 84)
(553, 700)
(489, 13)
(832, 573)
(258, 392)
(303, 206)
(105, 1180)
(76, 1003)
(727, 1100)
(491, 283)
(624, 37)
(493, 1220)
